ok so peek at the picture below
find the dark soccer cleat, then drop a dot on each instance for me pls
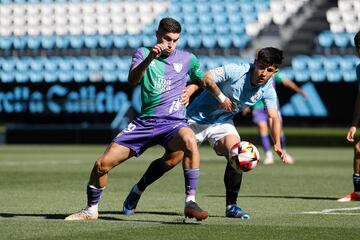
(236, 212)
(192, 210)
(130, 202)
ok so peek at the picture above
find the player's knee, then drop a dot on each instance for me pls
(190, 143)
(357, 150)
(101, 168)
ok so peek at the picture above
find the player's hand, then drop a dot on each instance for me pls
(157, 50)
(227, 105)
(303, 93)
(185, 97)
(279, 151)
(351, 133)
(246, 111)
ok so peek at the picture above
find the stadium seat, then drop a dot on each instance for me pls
(334, 76)
(326, 39)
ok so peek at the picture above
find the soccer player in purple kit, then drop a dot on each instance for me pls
(243, 85)
(355, 195)
(162, 72)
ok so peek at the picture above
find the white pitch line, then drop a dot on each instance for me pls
(337, 211)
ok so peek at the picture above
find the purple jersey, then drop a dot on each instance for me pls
(164, 81)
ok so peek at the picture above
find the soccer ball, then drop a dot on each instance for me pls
(243, 156)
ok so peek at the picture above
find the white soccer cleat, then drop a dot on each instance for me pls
(84, 214)
(289, 159)
(269, 159)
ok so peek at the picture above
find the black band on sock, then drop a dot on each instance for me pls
(232, 180)
(356, 181)
(156, 169)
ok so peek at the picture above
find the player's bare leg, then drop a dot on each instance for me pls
(191, 164)
(113, 156)
(354, 196)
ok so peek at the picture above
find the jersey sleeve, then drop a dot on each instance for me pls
(137, 57)
(270, 97)
(195, 73)
(278, 78)
(228, 72)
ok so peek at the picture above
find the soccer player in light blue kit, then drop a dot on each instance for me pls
(243, 85)
(162, 71)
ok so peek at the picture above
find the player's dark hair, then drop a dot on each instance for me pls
(357, 40)
(169, 25)
(270, 56)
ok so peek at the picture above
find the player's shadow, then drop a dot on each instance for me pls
(108, 218)
(128, 218)
(45, 216)
(273, 196)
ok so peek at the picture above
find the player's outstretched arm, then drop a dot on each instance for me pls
(209, 83)
(276, 132)
(291, 85)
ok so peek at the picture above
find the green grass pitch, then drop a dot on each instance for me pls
(40, 185)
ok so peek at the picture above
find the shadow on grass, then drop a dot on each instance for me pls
(270, 196)
(107, 218)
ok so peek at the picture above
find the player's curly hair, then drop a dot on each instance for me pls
(270, 56)
(169, 25)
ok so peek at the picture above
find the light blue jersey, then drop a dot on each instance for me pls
(234, 82)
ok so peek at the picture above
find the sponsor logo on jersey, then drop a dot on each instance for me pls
(177, 67)
(219, 70)
(255, 97)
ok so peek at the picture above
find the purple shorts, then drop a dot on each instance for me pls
(259, 115)
(143, 133)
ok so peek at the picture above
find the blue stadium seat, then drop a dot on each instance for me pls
(193, 41)
(120, 41)
(326, 39)
(134, 41)
(300, 62)
(62, 42)
(35, 77)
(349, 76)
(5, 43)
(315, 62)
(50, 76)
(91, 41)
(224, 41)
(240, 41)
(19, 42)
(81, 76)
(76, 41)
(342, 40)
(208, 41)
(7, 77)
(332, 62)
(334, 76)
(318, 75)
(48, 42)
(34, 42)
(106, 41)
(302, 76)
(21, 77)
